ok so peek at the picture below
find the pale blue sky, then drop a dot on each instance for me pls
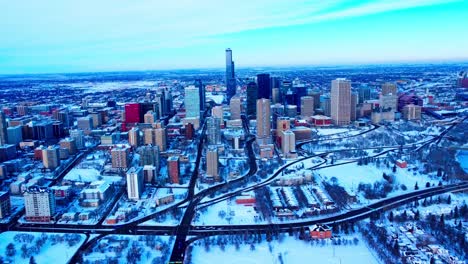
(105, 35)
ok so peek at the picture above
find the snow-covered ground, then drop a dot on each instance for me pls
(59, 252)
(227, 212)
(147, 204)
(290, 250)
(152, 249)
(350, 175)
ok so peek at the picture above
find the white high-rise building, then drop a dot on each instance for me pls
(288, 143)
(341, 101)
(135, 183)
(192, 101)
(263, 121)
(39, 204)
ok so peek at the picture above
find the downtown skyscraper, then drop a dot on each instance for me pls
(230, 76)
(341, 101)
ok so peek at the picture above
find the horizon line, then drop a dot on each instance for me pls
(276, 66)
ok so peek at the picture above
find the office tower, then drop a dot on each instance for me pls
(50, 157)
(173, 168)
(22, 110)
(14, 135)
(406, 99)
(135, 183)
(149, 155)
(300, 90)
(290, 97)
(96, 119)
(388, 102)
(288, 142)
(341, 101)
(78, 136)
(316, 96)
(230, 76)
(161, 138)
(326, 105)
(161, 103)
(307, 106)
(291, 110)
(275, 82)
(364, 94)
(151, 117)
(283, 124)
(5, 205)
(412, 112)
(275, 96)
(212, 163)
(252, 93)
(264, 86)
(132, 113)
(277, 110)
(354, 101)
(213, 130)
(201, 94)
(149, 173)
(192, 101)
(145, 107)
(217, 111)
(168, 96)
(235, 107)
(263, 121)
(389, 88)
(3, 129)
(120, 157)
(70, 144)
(85, 123)
(134, 138)
(39, 204)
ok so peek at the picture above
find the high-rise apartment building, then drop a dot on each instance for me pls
(412, 112)
(120, 157)
(50, 157)
(135, 183)
(288, 142)
(263, 121)
(341, 101)
(134, 138)
(70, 144)
(78, 136)
(161, 138)
(14, 135)
(173, 168)
(39, 204)
(151, 117)
(85, 123)
(212, 163)
(149, 155)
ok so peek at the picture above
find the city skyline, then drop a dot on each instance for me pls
(145, 36)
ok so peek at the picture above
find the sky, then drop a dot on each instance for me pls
(53, 36)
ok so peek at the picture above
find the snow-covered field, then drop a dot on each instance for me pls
(350, 175)
(290, 250)
(227, 212)
(123, 249)
(60, 252)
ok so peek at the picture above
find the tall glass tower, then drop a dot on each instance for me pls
(230, 76)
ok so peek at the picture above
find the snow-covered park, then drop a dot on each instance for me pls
(288, 250)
